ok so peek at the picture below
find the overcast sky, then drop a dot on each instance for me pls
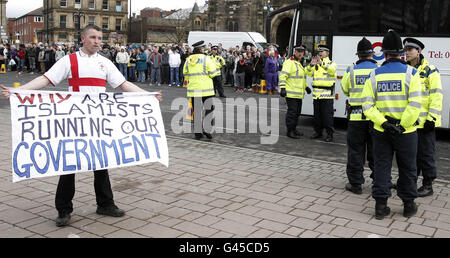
(17, 8)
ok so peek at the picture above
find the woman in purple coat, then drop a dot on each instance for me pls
(271, 72)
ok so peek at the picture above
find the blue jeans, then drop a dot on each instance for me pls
(21, 64)
(123, 70)
(141, 76)
(132, 72)
(174, 75)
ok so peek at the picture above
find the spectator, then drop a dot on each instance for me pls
(165, 68)
(106, 53)
(59, 53)
(141, 65)
(122, 60)
(271, 72)
(241, 67)
(132, 68)
(41, 59)
(155, 61)
(174, 63)
(257, 71)
(21, 56)
(248, 70)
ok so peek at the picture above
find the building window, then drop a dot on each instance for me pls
(38, 19)
(91, 4)
(62, 21)
(77, 4)
(105, 22)
(62, 36)
(63, 3)
(76, 21)
(91, 20)
(105, 5)
(118, 24)
(118, 6)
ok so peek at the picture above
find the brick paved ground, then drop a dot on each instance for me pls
(212, 190)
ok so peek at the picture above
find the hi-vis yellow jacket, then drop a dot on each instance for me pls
(293, 79)
(393, 90)
(353, 83)
(218, 61)
(199, 70)
(432, 93)
(324, 78)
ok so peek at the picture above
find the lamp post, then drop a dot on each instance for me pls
(78, 14)
(268, 8)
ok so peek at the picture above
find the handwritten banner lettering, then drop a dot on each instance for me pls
(58, 133)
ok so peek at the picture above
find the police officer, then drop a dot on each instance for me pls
(198, 72)
(393, 100)
(219, 62)
(430, 115)
(323, 71)
(358, 138)
(293, 85)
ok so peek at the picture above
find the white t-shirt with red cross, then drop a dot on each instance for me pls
(85, 73)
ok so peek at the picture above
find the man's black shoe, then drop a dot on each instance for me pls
(63, 220)
(112, 211)
(381, 209)
(393, 186)
(329, 138)
(425, 190)
(293, 135)
(356, 189)
(316, 136)
(298, 133)
(409, 209)
(208, 135)
(198, 136)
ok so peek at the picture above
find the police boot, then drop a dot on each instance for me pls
(329, 137)
(425, 190)
(409, 208)
(198, 136)
(292, 134)
(381, 208)
(316, 135)
(298, 132)
(208, 135)
(356, 189)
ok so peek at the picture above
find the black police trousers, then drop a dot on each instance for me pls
(426, 163)
(293, 113)
(323, 115)
(66, 191)
(218, 88)
(359, 148)
(198, 105)
(404, 147)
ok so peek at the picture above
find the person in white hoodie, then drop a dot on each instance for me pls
(174, 63)
(122, 59)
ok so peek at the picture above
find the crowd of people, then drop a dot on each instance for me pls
(244, 66)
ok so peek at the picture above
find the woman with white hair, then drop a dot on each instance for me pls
(271, 72)
(59, 53)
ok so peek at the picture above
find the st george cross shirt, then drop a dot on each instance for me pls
(85, 73)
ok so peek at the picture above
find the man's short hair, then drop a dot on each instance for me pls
(89, 27)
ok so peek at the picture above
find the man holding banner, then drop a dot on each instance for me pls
(87, 72)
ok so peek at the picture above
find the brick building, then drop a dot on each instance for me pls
(24, 28)
(63, 17)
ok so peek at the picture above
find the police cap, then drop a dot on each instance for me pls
(364, 47)
(214, 47)
(199, 44)
(413, 43)
(299, 48)
(323, 48)
(392, 43)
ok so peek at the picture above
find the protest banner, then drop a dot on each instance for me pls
(58, 133)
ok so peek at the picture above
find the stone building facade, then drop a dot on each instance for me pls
(63, 17)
